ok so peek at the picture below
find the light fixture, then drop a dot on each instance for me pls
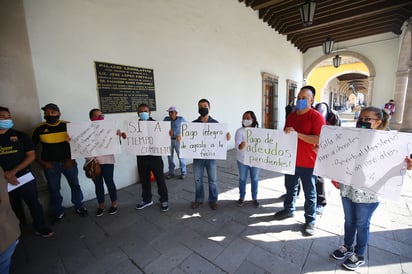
(327, 46)
(307, 12)
(336, 61)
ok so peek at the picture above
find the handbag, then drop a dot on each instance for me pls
(92, 169)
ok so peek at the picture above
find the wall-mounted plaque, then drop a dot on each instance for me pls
(122, 88)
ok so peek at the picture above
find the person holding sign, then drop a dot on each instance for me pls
(175, 124)
(248, 120)
(358, 205)
(106, 163)
(210, 164)
(56, 160)
(307, 122)
(16, 155)
(147, 164)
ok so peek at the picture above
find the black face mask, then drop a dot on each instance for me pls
(203, 111)
(362, 124)
(51, 119)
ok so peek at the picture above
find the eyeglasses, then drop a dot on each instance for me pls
(366, 119)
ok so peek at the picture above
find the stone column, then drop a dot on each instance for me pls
(399, 97)
(406, 125)
(371, 82)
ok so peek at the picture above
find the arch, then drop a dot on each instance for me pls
(363, 59)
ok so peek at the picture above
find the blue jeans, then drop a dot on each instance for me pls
(175, 145)
(198, 169)
(254, 179)
(107, 175)
(5, 258)
(53, 176)
(309, 188)
(357, 221)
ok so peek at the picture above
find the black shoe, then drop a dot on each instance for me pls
(82, 211)
(354, 262)
(283, 214)
(164, 206)
(240, 202)
(256, 203)
(144, 204)
(169, 176)
(309, 229)
(342, 252)
(45, 232)
(112, 210)
(99, 211)
(57, 219)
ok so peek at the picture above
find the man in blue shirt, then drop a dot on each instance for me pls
(175, 125)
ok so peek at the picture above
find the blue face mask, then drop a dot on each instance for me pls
(6, 124)
(301, 104)
(144, 116)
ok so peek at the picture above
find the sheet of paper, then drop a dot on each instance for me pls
(28, 177)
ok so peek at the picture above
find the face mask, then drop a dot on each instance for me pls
(51, 119)
(362, 124)
(301, 104)
(203, 111)
(144, 116)
(98, 118)
(6, 124)
(247, 123)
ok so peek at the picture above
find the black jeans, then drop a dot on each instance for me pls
(145, 164)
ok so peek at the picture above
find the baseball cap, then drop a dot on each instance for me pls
(172, 109)
(51, 106)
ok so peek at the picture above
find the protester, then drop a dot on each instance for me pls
(307, 123)
(248, 120)
(56, 160)
(358, 205)
(210, 164)
(16, 155)
(147, 164)
(290, 107)
(106, 163)
(175, 124)
(9, 228)
(390, 108)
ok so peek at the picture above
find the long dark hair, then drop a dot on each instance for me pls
(252, 114)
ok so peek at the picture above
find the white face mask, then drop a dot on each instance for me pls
(247, 123)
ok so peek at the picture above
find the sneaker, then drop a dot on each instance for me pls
(57, 219)
(320, 209)
(342, 252)
(112, 210)
(45, 232)
(309, 229)
(354, 262)
(170, 176)
(144, 204)
(82, 211)
(99, 211)
(282, 197)
(283, 214)
(256, 203)
(182, 177)
(213, 205)
(195, 205)
(164, 206)
(240, 202)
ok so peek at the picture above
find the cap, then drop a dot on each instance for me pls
(172, 109)
(51, 106)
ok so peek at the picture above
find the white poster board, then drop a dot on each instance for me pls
(147, 138)
(271, 149)
(370, 160)
(90, 139)
(203, 141)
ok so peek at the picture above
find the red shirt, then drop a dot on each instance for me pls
(309, 123)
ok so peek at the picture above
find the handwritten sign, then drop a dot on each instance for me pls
(90, 139)
(147, 138)
(370, 160)
(271, 149)
(203, 141)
